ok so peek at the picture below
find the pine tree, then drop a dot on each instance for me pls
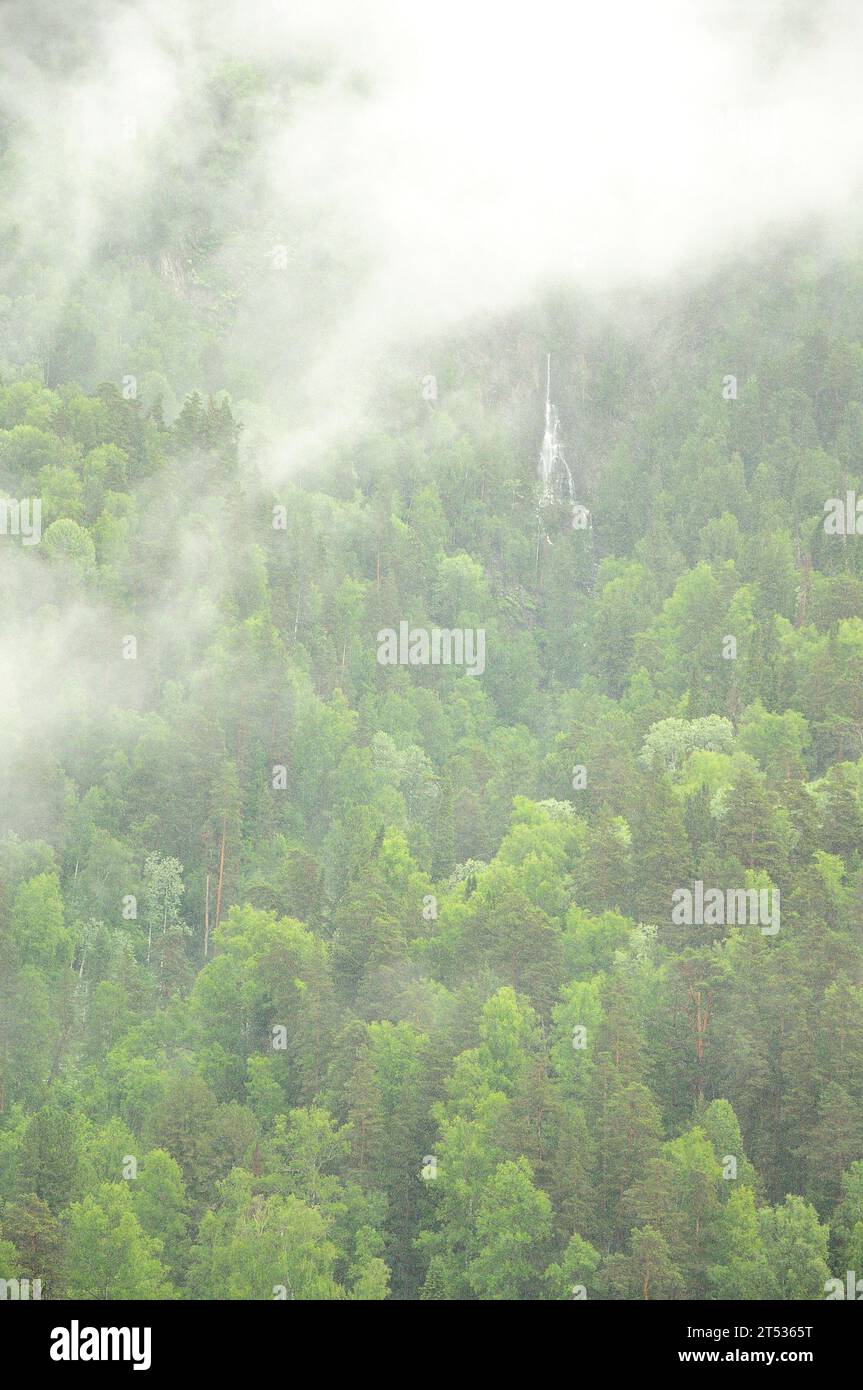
(647, 1272)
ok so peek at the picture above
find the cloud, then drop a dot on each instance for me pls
(427, 164)
(422, 166)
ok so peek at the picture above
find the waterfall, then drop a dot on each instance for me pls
(557, 484)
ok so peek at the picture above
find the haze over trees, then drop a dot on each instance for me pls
(324, 979)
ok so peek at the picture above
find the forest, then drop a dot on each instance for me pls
(328, 977)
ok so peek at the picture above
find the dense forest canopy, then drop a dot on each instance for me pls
(327, 977)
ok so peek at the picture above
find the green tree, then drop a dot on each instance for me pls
(37, 923)
(50, 1156)
(160, 1205)
(647, 1272)
(513, 1223)
(742, 1269)
(795, 1244)
(108, 1256)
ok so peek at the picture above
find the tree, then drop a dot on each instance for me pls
(37, 923)
(575, 1276)
(263, 1248)
(603, 875)
(70, 548)
(752, 830)
(160, 1205)
(630, 1133)
(832, 1144)
(841, 817)
(647, 1272)
(778, 741)
(108, 1255)
(660, 851)
(513, 1223)
(163, 889)
(49, 1156)
(742, 1269)
(10, 1261)
(722, 1128)
(796, 1248)
(38, 1240)
(848, 1216)
(369, 1275)
(205, 1138)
